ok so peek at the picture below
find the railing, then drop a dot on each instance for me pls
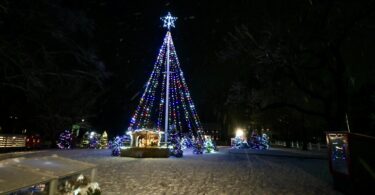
(12, 141)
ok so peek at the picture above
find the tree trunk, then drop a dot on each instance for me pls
(340, 82)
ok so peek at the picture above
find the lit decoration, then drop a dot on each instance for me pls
(239, 141)
(65, 140)
(198, 146)
(186, 142)
(117, 143)
(260, 141)
(94, 140)
(175, 146)
(104, 140)
(85, 140)
(209, 145)
(239, 133)
(168, 21)
(166, 103)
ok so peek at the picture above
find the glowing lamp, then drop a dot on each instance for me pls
(239, 132)
(92, 134)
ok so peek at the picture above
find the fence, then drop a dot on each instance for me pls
(12, 141)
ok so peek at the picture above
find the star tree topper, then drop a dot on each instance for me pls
(168, 21)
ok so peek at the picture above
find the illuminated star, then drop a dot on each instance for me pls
(168, 21)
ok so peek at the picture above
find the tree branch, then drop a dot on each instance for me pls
(292, 106)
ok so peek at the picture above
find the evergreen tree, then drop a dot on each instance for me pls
(104, 141)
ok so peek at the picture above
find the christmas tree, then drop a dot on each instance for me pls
(209, 145)
(104, 141)
(166, 103)
(85, 140)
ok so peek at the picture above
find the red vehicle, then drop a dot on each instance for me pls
(33, 142)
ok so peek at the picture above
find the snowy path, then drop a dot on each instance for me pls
(217, 173)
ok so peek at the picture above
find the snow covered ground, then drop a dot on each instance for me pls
(223, 172)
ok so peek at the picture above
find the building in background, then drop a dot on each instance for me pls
(214, 130)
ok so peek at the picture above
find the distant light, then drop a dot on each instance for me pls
(83, 120)
(239, 132)
(92, 134)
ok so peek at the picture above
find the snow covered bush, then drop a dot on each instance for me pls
(79, 186)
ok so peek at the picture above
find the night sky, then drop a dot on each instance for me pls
(247, 63)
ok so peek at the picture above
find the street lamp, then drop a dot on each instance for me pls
(239, 132)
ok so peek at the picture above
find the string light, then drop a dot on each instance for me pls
(168, 21)
(182, 114)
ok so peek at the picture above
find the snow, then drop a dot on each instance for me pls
(14, 173)
(224, 172)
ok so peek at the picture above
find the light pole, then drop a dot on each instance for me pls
(168, 23)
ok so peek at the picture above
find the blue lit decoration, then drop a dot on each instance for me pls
(94, 140)
(186, 142)
(116, 144)
(260, 141)
(198, 146)
(91, 140)
(65, 140)
(166, 102)
(168, 21)
(175, 145)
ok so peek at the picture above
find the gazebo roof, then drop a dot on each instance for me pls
(146, 131)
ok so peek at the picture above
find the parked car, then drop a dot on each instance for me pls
(33, 142)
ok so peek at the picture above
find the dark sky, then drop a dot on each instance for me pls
(198, 33)
(125, 36)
